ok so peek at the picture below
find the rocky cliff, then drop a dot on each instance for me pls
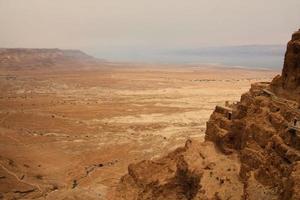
(288, 84)
(251, 149)
(15, 59)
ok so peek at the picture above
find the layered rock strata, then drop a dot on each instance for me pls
(288, 84)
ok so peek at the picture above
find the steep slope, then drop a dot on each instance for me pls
(251, 149)
(288, 84)
(261, 131)
(196, 171)
(20, 59)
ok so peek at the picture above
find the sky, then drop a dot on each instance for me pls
(113, 27)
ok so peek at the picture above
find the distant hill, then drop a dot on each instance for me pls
(266, 56)
(17, 59)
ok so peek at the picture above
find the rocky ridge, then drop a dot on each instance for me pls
(251, 149)
(16, 59)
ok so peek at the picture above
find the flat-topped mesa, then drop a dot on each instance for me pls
(24, 59)
(288, 83)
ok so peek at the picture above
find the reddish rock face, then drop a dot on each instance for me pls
(291, 68)
(288, 84)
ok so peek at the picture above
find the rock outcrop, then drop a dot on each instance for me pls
(251, 149)
(288, 84)
(196, 171)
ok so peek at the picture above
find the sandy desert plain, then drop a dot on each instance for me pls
(71, 134)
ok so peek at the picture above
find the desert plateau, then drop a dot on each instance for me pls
(149, 100)
(70, 130)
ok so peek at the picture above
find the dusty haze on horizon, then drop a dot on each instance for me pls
(98, 25)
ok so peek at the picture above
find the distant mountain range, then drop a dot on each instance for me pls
(249, 50)
(261, 56)
(15, 59)
(251, 56)
(256, 56)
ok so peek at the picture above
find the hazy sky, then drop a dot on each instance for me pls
(115, 25)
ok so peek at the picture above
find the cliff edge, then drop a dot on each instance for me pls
(288, 84)
(251, 149)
